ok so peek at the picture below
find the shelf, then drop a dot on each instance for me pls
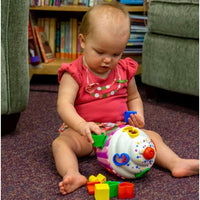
(80, 8)
(60, 8)
(52, 68)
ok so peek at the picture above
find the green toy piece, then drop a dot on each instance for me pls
(113, 185)
(99, 140)
(142, 173)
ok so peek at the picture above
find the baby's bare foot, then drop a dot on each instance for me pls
(186, 167)
(71, 182)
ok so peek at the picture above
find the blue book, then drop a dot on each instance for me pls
(132, 1)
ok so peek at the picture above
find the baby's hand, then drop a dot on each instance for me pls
(87, 128)
(136, 120)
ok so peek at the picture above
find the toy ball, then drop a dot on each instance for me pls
(127, 152)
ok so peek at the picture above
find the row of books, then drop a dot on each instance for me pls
(138, 31)
(77, 2)
(51, 38)
(64, 2)
(56, 38)
(38, 44)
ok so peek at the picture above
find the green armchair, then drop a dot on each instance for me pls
(170, 58)
(14, 62)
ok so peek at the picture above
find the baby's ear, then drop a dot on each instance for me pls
(82, 40)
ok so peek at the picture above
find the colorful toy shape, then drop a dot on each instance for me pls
(125, 190)
(108, 189)
(99, 178)
(91, 187)
(113, 185)
(102, 192)
(127, 115)
(127, 152)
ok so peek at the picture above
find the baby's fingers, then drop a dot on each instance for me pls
(89, 136)
(132, 121)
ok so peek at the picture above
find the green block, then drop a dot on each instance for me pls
(113, 185)
(99, 140)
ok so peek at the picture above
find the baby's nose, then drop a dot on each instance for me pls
(149, 153)
(107, 60)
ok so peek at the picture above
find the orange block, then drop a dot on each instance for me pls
(125, 190)
(91, 187)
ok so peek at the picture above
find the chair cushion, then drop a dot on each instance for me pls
(171, 63)
(178, 1)
(174, 17)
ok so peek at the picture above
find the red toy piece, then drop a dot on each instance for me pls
(91, 187)
(125, 190)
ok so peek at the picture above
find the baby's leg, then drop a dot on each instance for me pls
(66, 148)
(167, 159)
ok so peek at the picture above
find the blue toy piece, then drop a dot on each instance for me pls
(127, 115)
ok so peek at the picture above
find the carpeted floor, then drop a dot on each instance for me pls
(27, 166)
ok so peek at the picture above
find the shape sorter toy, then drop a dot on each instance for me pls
(127, 151)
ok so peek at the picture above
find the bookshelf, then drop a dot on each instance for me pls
(52, 67)
(73, 8)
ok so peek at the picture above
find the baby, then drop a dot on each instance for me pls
(99, 87)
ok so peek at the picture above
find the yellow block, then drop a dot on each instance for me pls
(92, 178)
(101, 178)
(102, 192)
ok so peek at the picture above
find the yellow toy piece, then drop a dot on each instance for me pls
(99, 178)
(92, 178)
(102, 192)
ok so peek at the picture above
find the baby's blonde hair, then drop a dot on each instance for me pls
(86, 23)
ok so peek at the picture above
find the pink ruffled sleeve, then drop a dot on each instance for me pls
(130, 66)
(73, 69)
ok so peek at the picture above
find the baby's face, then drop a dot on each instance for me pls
(104, 45)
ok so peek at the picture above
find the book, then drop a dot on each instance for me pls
(132, 1)
(32, 46)
(74, 37)
(46, 27)
(44, 45)
(57, 51)
(70, 37)
(52, 34)
(75, 2)
(67, 39)
(62, 39)
(33, 23)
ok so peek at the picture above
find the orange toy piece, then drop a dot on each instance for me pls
(125, 190)
(91, 187)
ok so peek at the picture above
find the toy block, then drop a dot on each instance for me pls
(101, 178)
(113, 185)
(127, 115)
(125, 190)
(92, 178)
(99, 140)
(101, 191)
(91, 187)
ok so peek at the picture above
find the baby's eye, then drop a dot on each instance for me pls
(116, 54)
(99, 52)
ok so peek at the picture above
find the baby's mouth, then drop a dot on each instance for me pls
(105, 67)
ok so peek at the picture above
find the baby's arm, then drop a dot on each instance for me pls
(134, 103)
(68, 90)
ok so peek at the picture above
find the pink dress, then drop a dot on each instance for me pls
(101, 100)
